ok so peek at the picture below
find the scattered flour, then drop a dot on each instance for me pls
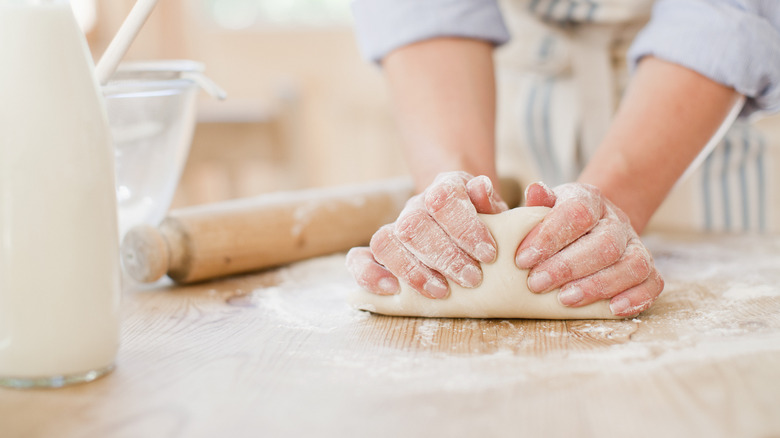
(722, 301)
(596, 329)
(291, 303)
(426, 331)
(746, 291)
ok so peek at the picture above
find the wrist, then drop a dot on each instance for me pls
(665, 118)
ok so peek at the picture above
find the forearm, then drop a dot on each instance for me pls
(444, 95)
(667, 116)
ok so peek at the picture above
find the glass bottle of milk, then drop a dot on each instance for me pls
(59, 265)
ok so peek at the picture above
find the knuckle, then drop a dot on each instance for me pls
(382, 240)
(449, 259)
(436, 198)
(468, 231)
(638, 271)
(639, 267)
(600, 289)
(594, 288)
(446, 195)
(411, 224)
(549, 240)
(611, 249)
(420, 277)
(579, 215)
(410, 271)
(561, 271)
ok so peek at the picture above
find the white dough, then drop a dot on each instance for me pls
(503, 293)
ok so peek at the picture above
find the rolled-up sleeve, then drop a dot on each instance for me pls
(733, 42)
(385, 25)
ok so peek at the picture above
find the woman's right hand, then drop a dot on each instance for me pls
(437, 237)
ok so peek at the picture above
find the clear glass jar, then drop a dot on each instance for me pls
(152, 108)
(59, 265)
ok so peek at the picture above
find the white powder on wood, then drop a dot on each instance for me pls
(721, 301)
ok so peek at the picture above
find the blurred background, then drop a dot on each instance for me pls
(303, 108)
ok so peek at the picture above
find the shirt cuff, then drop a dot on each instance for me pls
(385, 25)
(732, 45)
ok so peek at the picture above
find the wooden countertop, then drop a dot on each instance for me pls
(279, 353)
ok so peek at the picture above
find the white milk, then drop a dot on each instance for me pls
(59, 267)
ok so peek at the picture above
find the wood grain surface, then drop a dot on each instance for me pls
(279, 353)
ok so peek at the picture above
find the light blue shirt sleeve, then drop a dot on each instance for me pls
(385, 25)
(733, 42)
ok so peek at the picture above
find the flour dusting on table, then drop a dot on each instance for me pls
(715, 306)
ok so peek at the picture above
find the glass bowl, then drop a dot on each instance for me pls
(151, 111)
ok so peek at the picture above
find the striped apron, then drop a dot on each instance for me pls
(560, 81)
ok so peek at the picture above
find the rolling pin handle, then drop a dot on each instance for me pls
(145, 254)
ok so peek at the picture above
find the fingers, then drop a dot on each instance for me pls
(577, 210)
(438, 236)
(424, 238)
(390, 252)
(484, 197)
(427, 241)
(633, 269)
(638, 299)
(596, 250)
(587, 247)
(369, 274)
(449, 204)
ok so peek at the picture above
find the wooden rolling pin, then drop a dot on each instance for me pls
(215, 240)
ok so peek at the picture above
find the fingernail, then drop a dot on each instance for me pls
(470, 276)
(527, 258)
(436, 288)
(488, 184)
(389, 286)
(485, 252)
(570, 296)
(525, 192)
(619, 306)
(545, 187)
(539, 281)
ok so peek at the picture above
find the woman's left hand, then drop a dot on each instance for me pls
(587, 247)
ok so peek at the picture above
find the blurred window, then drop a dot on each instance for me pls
(245, 14)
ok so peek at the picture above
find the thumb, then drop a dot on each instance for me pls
(484, 197)
(539, 195)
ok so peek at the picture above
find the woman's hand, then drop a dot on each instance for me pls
(438, 236)
(587, 247)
